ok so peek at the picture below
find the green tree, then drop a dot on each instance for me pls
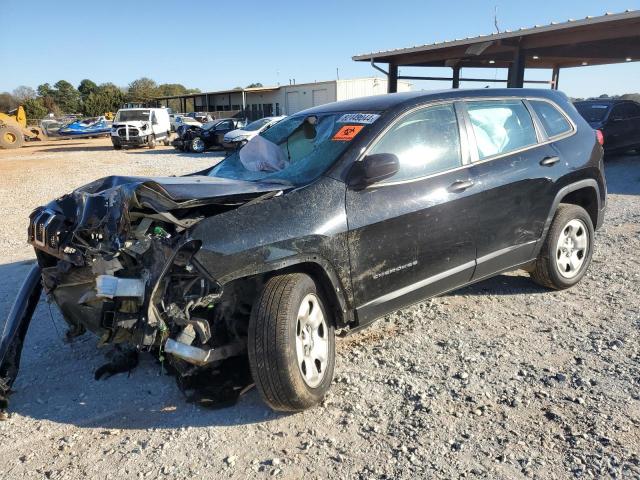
(170, 89)
(45, 90)
(66, 97)
(631, 96)
(142, 90)
(86, 87)
(254, 85)
(35, 108)
(106, 98)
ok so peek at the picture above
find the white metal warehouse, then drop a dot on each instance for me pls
(254, 103)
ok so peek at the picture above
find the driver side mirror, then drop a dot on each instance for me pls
(372, 169)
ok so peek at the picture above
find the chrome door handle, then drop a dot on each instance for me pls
(548, 161)
(460, 186)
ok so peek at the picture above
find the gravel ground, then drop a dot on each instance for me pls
(499, 380)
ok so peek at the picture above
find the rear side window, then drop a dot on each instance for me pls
(425, 142)
(625, 111)
(501, 126)
(554, 122)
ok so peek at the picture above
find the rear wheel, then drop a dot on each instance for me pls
(11, 137)
(566, 252)
(291, 343)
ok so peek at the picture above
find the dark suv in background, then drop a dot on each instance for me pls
(618, 120)
(332, 218)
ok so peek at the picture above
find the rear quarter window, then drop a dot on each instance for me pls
(553, 121)
(501, 126)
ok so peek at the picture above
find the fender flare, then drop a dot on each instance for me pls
(563, 192)
(290, 263)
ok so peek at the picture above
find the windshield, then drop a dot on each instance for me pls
(295, 150)
(593, 112)
(210, 125)
(133, 115)
(257, 125)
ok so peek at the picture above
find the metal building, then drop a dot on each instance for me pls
(610, 38)
(254, 103)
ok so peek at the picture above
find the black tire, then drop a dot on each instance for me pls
(196, 145)
(116, 143)
(272, 344)
(11, 137)
(151, 141)
(547, 271)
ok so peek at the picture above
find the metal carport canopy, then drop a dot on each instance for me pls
(607, 39)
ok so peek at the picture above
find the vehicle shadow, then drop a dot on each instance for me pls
(78, 147)
(506, 284)
(623, 174)
(56, 380)
(213, 154)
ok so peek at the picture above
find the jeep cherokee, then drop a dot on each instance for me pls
(325, 222)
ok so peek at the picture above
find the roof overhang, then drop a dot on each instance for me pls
(610, 38)
(220, 92)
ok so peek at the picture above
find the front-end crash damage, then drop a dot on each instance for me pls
(117, 259)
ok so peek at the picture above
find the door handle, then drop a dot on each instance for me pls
(460, 186)
(548, 161)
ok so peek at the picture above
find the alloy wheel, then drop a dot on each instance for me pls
(572, 248)
(197, 145)
(312, 344)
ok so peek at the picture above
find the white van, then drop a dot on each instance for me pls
(134, 127)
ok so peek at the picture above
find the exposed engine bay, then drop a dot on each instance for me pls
(117, 259)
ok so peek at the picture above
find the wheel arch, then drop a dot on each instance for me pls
(323, 274)
(584, 193)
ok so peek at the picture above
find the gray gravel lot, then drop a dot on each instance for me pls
(499, 380)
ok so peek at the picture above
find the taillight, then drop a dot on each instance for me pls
(600, 137)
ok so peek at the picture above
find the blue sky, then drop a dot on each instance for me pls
(218, 45)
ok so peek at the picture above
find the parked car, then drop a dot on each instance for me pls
(329, 220)
(196, 139)
(239, 137)
(179, 120)
(202, 117)
(618, 120)
(134, 127)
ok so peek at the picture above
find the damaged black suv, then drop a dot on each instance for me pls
(327, 221)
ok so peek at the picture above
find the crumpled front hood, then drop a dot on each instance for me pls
(179, 192)
(99, 215)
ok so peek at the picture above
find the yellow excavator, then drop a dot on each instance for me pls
(14, 131)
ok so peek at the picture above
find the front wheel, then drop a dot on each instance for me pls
(291, 343)
(566, 252)
(197, 145)
(11, 137)
(151, 141)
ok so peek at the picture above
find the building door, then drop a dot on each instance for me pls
(293, 102)
(320, 97)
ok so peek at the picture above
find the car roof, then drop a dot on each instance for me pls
(605, 101)
(379, 103)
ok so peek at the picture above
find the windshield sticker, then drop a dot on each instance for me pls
(366, 118)
(346, 133)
